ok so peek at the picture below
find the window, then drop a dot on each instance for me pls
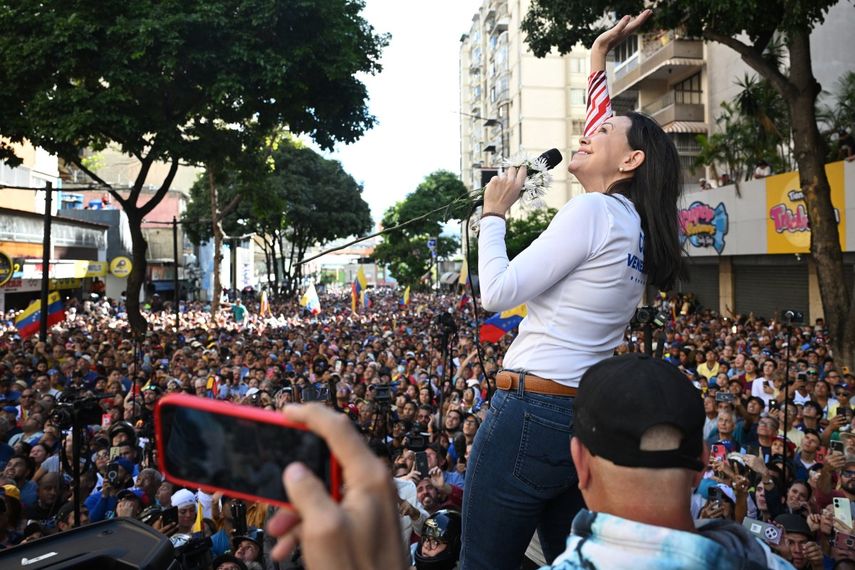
(688, 91)
(577, 127)
(577, 65)
(626, 49)
(577, 96)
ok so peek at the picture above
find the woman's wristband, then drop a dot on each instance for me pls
(494, 214)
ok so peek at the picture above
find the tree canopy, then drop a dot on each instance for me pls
(193, 81)
(405, 250)
(299, 201)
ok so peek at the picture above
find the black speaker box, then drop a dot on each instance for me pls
(115, 544)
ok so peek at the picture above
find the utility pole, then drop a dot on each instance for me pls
(176, 295)
(46, 251)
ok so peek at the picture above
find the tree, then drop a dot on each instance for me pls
(193, 81)
(749, 27)
(321, 203)
(405, 250)
(300, 198)
(522, 231)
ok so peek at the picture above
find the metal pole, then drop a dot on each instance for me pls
(46, 252)
(176, 296)
(234, 273)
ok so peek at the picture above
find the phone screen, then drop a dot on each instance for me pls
(170, 515)
(422, 463)
(236, 454)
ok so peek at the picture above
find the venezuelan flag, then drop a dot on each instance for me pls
(496, 326)
(27, 322)
(359, 285)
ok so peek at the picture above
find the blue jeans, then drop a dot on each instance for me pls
(520, 478)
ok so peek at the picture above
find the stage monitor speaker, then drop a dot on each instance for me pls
(115, 544)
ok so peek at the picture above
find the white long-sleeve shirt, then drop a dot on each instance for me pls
(581, 279)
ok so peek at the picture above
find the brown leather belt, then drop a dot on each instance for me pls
(509, 380)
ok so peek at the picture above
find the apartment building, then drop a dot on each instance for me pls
(514, 103)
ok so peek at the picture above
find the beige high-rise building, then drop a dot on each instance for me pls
(514, 103)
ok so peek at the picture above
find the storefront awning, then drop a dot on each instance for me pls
(449, 277)
(686, 127)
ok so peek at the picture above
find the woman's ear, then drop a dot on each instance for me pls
(633, 160)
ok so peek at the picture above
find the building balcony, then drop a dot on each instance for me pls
(674, 60)
(669, 109)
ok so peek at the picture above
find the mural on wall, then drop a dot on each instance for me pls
(704, 226)
(787, 226)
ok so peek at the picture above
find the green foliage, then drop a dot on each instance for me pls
(182, 78)
(298, 196)
(754, 127)
(195, 81)
(562, 24)
(405, 250)
(520, 233)
(840, 115)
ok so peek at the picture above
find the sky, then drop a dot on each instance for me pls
(415, 99)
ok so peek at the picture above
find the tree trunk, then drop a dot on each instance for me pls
(809, 149)
(217, 230)
(135, 280)
(275, 262)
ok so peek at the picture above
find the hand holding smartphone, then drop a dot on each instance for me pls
(238, 450)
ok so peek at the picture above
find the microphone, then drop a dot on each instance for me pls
(551, 157)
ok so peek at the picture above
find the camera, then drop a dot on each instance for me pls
(791, 316)
(382, 393)
(72, 402)
(417, 441)
(650, 316)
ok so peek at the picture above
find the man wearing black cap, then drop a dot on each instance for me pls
(798, 544)
(639, 432)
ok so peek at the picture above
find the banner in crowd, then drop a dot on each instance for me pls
(768, 217)
(27, 322)
(502, 323)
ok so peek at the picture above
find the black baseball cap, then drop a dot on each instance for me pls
(622, 397)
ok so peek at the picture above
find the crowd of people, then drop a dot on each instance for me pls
(780, 432)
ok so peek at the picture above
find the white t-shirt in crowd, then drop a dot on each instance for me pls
(581, 280)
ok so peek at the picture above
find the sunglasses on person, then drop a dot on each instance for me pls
(848, 473)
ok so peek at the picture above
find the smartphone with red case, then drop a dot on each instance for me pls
(820, 454)
(718, 451)
(240, 451)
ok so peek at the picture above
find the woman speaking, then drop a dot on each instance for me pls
(581, 280)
